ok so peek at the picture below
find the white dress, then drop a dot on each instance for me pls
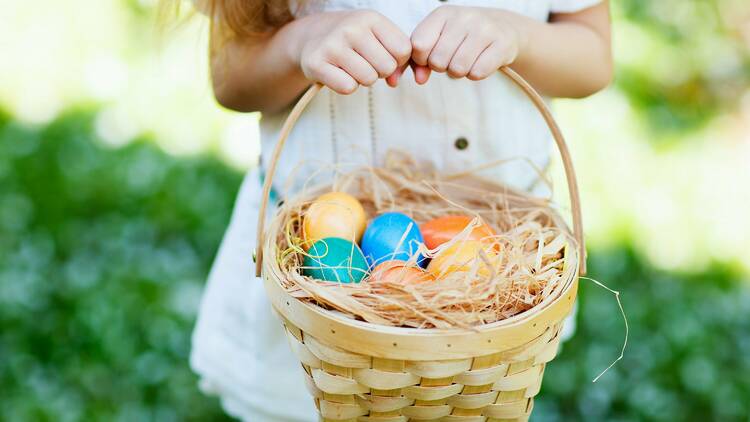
(239, 350)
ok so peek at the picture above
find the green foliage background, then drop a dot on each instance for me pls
(104, 252)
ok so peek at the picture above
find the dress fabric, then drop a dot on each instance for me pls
(239, 348)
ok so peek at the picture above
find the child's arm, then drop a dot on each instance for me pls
(568, 57)
(340, 49)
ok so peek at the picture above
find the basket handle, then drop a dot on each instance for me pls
(536, 99)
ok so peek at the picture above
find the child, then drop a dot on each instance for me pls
(265, 53)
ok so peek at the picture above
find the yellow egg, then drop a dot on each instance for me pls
(334, 214)
(462, 256)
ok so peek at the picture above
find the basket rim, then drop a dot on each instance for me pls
(415, 344)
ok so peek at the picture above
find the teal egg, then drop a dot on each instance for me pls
(335, 259)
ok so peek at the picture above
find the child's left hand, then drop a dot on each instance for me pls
(472, 42)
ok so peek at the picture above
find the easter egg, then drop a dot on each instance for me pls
(335, 259)
(399, 272)
(442, 229)
(461, 256)
(391, 236)
(334, 214)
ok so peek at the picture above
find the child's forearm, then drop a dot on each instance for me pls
(257, 74)
(568, 57)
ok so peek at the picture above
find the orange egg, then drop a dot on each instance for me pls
(442, 229)
(399, 272)
(462, 256)
(334, 214)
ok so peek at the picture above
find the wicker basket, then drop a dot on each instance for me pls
(357, 371)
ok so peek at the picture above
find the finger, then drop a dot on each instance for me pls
(425, 36)
(356, 66)
(336, 78)
(491, 59)
(393, 39)
(446, 48)
(421, 74)
(370, 48)
(466, 55)
(392, 80)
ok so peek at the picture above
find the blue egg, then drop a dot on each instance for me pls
(392, 236)
(335, 259)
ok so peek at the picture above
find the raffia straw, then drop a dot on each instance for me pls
(624, 318)
(524, 265)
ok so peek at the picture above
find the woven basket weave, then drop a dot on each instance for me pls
(357, 371)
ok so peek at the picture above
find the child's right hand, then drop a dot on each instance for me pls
(343, 50)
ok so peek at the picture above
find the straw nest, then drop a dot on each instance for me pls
(532, 244)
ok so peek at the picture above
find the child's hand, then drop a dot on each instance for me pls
(471, 42)
(343, 50)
